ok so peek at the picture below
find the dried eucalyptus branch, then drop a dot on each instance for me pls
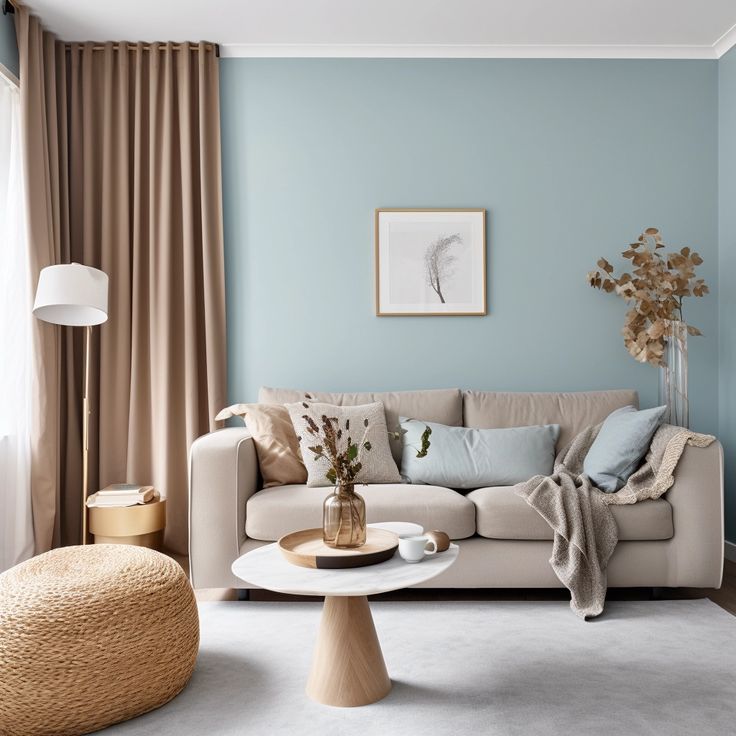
(654, 290)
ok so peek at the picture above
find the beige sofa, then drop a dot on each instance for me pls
(671, 542)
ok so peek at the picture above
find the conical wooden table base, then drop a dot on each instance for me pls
(348, 667)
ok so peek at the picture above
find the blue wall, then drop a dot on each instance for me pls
(571, 159)
(8, 46)
(727, 272)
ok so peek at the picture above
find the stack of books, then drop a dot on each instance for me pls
(122, 494)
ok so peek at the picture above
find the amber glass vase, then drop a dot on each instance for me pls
(343, 518)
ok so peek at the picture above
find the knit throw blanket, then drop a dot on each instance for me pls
(585, 532)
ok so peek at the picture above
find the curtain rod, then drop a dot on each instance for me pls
(130, 46)
(8, 7)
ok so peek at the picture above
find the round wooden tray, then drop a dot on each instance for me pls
(306, 549)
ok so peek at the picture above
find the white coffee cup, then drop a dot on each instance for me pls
(414, 549)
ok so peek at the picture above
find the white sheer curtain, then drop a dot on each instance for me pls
(16, 523)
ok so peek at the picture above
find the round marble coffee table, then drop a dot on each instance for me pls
(347, 667)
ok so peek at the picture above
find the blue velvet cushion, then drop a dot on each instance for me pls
(621, 444)
(462, 458)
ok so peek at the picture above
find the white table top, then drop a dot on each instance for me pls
(267, 568)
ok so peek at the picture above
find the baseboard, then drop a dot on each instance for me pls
(729, 551)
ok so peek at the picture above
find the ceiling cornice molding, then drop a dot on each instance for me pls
(725, 43)
(472, 51)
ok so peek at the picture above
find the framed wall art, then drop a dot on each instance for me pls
(430, 262)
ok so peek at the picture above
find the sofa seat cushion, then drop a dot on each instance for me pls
(501, 514)
(276, 511)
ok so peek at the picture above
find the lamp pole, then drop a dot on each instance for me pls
(86, 411)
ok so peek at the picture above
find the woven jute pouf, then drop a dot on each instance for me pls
(90, 636)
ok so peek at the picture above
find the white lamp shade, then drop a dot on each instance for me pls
(71, 294)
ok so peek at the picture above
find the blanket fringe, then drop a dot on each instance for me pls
(665, 476)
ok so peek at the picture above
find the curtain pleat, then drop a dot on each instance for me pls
(16, 517)
(39, 130)
(134, 154)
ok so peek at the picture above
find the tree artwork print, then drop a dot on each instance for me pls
(430, 262)
(439, 260)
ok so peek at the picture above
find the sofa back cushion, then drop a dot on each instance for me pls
(572, 411)
(444, 406)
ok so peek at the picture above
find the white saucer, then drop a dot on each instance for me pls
(400, 528)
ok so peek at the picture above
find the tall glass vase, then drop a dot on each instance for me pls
(673, 375)
(343, 518)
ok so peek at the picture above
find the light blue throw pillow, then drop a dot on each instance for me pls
(622, 442)
(462, 458)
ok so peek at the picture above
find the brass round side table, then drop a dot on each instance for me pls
(141, 525)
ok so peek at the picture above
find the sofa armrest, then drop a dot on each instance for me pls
(223, 474)
(695, 558)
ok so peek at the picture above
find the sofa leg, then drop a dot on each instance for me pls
(243, 594)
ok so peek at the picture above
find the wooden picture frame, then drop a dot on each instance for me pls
(430, 262)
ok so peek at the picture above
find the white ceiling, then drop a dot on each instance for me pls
(410, 28)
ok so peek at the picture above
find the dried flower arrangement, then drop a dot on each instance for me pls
(343, 456)
(343, 515)
(654, 290)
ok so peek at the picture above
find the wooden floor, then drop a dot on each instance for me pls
(725, 597)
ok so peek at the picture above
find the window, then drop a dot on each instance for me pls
(16, 528)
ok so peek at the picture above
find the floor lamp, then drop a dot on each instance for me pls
(76, 296)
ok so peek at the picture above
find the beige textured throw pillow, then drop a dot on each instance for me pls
(275, 439)
(378, 465)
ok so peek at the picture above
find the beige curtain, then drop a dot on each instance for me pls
(124, 175)
(42, 113)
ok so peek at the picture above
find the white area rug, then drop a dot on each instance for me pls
(659, 667)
